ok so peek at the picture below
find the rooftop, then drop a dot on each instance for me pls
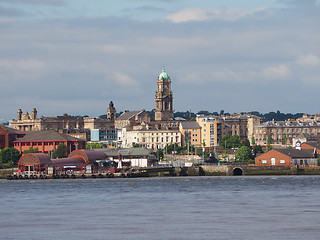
(48, 135)
(127, 115)
(190, 124)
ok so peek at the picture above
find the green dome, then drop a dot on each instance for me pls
(163, 75)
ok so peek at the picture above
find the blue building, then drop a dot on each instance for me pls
(103, 135)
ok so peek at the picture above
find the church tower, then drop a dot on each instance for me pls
(164, 107)
(111, 112)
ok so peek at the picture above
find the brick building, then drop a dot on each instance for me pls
(47, 141)
(287, 157)
(8, 135)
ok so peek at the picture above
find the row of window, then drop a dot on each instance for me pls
(167, 139)
(291, 130)
(159, 134)
(265, 161)
(38, 144)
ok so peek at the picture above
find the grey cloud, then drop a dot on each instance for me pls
(78, 65)
(299, 2)
(10, 12)
(145, 8)
(38, 2)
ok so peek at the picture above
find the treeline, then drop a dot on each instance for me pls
(277, 116)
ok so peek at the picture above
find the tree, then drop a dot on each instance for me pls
(257, 149)
(10, 155)
(61, 151)
(253, 141)
(136, 145)
(159, 154)
(94, 145)
(246, 142)
(31, 150)
(229, 141)
(206, 113)
(244, 154)
(284, 139)
(269, 142)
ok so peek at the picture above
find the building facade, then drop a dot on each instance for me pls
(47, 141)
(8, 136)
(190, 133)
(128, 119)
(212, 129)
(287, 157)
(279, 130)
(149, 136)
(103, 135)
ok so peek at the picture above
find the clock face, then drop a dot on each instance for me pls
(298, 144)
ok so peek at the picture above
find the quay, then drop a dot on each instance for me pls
(203, 170)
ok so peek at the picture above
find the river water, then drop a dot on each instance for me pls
(286, 207)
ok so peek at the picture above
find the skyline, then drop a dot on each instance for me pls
(75, 56)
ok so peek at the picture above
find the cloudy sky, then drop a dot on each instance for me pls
(74, 56)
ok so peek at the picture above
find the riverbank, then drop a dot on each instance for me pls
(207, 170)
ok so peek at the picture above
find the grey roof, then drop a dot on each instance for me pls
(289, 124)
(303, 135)
(48, 135)
(11, 130)
(190, 124)
(126, 151)
(128, 115)
(295, 153)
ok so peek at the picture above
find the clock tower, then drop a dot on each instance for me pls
(164, 107)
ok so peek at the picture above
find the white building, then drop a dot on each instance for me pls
(148, 136)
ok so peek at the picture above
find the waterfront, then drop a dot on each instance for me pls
(265, 207)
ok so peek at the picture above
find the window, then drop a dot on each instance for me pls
(282, 161)
(264, 161)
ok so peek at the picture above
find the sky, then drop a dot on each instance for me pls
(75, 56)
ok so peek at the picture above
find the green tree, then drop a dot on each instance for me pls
(10, 155)
(269, 142)
(253, 140)
(199, 151)
(206, 113)
(136, 145)
(246, 142)
(284, 139)
(257, 149)
(61, 151)
(229, 141)
(94, 145)
(244, 154)
(31, 150)
(159, 154)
